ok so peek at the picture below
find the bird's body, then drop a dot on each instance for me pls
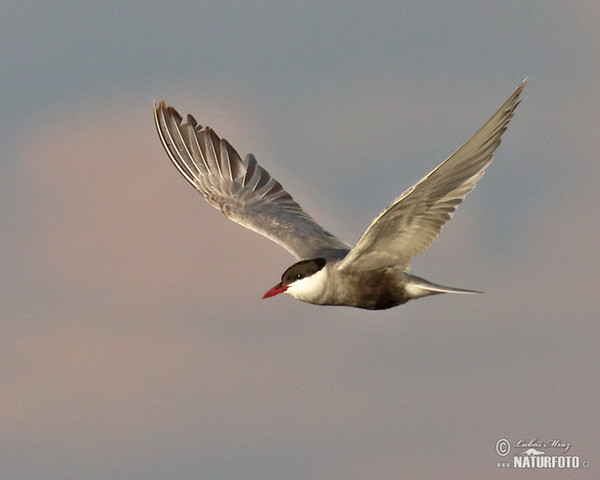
(376, 289)
(374, 273)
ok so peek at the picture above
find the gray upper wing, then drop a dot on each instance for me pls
(415, 218)
(243, 190)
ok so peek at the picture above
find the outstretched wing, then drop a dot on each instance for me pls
(415, 218)
(243, 190)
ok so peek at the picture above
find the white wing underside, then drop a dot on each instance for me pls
(409, 225)
(244, 191)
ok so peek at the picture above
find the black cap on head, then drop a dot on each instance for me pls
(302, 269)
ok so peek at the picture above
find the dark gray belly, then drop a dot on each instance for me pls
(377, 290)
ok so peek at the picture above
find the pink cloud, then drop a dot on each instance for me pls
(114, 215)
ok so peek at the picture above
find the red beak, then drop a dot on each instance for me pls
(279, 288)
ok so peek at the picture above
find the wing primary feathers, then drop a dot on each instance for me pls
(409, 225)
(167, 140)
(244, 191)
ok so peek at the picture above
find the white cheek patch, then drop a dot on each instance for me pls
(308, 288)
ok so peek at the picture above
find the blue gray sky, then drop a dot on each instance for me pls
(134, 343)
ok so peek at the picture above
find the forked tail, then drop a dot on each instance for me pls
(419, 287)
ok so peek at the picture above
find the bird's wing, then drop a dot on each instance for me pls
(244, 191)
(409, 225)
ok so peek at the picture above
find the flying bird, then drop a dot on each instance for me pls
(374, 273)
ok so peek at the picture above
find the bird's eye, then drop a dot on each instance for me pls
(299, 276)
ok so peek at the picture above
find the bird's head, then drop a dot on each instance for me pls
(303, 280)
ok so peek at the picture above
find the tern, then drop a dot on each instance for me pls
(374, 274)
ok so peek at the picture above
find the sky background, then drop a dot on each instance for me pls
(134, 343)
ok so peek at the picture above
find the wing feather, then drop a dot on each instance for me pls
(409, 225)
(243, 190)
